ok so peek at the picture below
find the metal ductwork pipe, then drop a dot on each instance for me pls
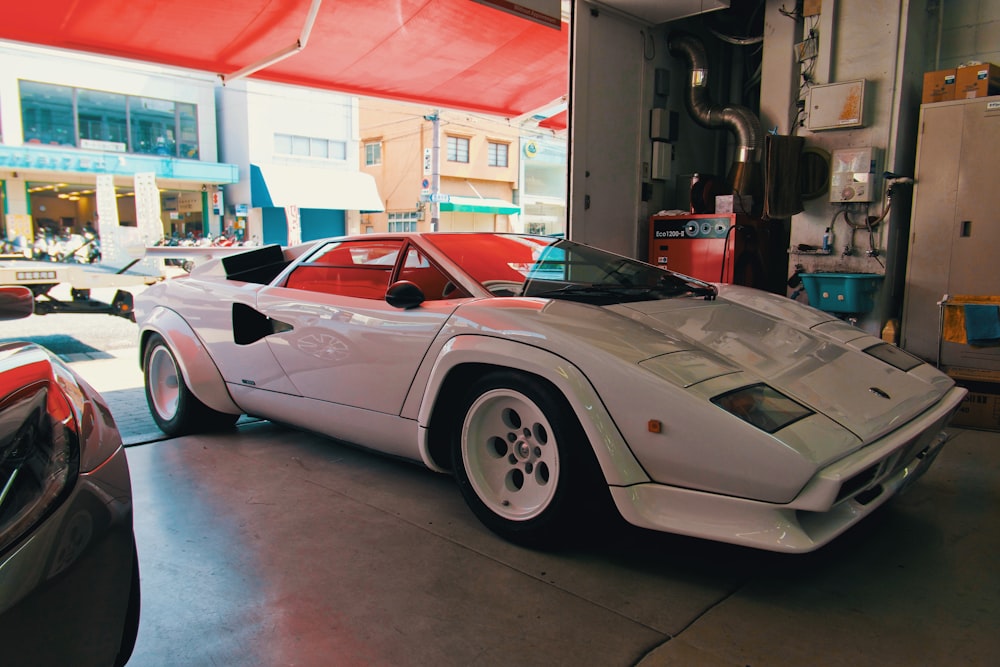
(744, 176)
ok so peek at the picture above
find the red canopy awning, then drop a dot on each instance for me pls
(555, 122)
(451, 53)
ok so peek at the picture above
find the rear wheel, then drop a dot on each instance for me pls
(175, 409)
(522, 460)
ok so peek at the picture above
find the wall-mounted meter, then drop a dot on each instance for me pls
(852, 174)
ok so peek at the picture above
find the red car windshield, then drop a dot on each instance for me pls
(526, 265)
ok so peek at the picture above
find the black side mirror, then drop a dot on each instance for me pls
(404, 294)
(16, 302)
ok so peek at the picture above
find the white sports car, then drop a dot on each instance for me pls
(548, 376)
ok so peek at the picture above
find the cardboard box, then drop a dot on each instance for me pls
(977, 81)
(939, 86)
(981, 407)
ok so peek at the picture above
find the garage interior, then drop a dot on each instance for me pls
(268, 546)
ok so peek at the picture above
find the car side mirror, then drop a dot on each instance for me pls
(16, 302)
(404, 294)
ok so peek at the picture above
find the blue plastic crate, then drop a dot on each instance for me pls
(842, 292)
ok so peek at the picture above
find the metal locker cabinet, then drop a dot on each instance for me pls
(955, 225)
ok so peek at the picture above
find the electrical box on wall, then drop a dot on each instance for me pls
(659, 169)
(836, 106)
(852, 174)
(663, 125)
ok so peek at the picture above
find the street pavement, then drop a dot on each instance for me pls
(103, 350)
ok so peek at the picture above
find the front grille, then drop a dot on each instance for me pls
(858, 482)
(886, 467)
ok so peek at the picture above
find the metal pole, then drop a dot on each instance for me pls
(435, 171)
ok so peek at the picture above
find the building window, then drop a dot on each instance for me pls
(67, 116)
(47, 114)
(187, 130)
(403, 221)
(102, 117)
(497, 155)
(373, 153)
(154, 124)
(458, 149)
(317, 147)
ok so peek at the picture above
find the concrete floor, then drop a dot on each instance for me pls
(267, 546)
(271, 547)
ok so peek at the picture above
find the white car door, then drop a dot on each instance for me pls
(344, 344)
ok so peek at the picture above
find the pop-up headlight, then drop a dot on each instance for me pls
(762, 406)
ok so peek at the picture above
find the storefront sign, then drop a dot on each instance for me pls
(294, 225)
(93, 144)
(147, 215)
(107, 220)
(189, 202)
(19, 224)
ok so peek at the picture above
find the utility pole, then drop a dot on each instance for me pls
(435, 119)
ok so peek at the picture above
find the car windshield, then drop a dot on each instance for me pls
(550, 267)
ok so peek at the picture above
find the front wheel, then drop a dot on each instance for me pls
(175, 409)
(522, 460)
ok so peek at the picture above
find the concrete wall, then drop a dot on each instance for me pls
(888, 43)
(962, 30)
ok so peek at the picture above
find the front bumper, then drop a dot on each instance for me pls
(837, 497)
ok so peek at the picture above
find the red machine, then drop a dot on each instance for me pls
(722, 248)
(702, 246)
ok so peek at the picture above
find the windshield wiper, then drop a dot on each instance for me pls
(707, 291)
(594, 289)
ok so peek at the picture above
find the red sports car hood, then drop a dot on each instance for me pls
(804, 353)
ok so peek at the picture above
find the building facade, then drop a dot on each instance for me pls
(82, 138)
(472, 185)
(297, 151)
(90, 144)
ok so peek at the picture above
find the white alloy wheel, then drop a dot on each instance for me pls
(510, 454)
(175, 408)
(163, 382)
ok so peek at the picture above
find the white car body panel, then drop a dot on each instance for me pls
(197, 366)
(640, 377)
(355, 352)
(385, 433)
(251, 365)
(809, 367)
(813, 519)
(618, 463)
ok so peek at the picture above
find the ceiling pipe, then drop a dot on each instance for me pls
(744, 176)
(280, 55)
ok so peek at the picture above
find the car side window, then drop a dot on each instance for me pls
(432, 282)
(359, 269)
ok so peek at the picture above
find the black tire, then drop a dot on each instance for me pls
(175, 409)
(522, 461)
(131, 630)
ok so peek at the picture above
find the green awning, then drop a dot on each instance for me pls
(479, 205)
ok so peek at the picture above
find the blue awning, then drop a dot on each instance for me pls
(310, 187)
